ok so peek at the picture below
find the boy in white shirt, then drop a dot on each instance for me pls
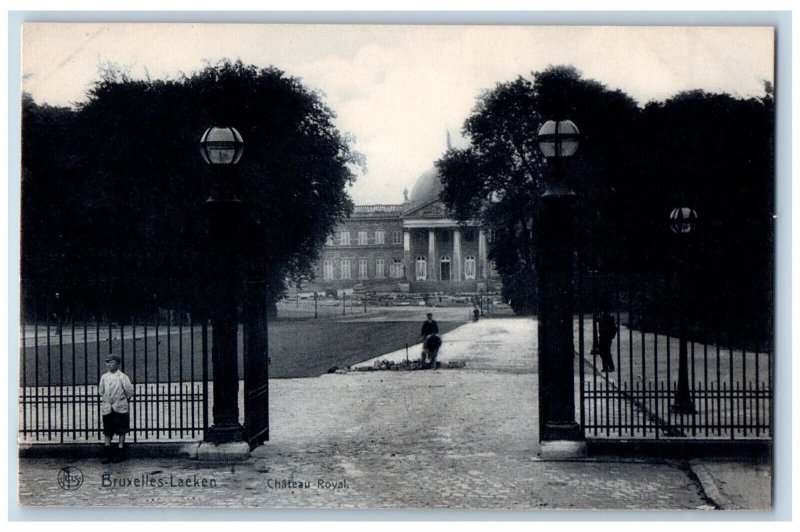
(115, 390)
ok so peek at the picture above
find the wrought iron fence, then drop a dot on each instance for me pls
(61, 361)
(729, 377)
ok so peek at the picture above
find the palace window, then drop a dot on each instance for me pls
(345, 268)
(422, 269)
(327, 270)
(344, 238)
(444, 268)
(362, 238)
(379, 268)
(397, 269)
(362, 268)
(396, 239)
(469, 267)
(380, 237)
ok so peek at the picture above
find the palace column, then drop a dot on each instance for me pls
(482, 254)
(456, 274)
(431, 255)
(408, 264)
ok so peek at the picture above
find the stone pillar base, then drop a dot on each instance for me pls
(562, 450)
(552, 431)
(233, 433)
(223, 452)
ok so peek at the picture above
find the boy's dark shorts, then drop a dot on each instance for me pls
(116, 423)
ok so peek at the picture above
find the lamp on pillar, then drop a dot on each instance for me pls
(683, 221)
(221, 147)
(558, 140)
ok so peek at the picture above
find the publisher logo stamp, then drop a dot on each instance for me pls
(70, 478)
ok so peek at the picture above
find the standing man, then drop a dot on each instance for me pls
(607, 330)
(430, 345)
(429, 326)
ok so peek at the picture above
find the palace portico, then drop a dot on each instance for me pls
(413, 246)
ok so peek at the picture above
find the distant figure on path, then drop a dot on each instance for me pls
(115, 391)
(431, 341)
(607, 330)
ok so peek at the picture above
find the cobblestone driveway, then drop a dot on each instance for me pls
(462, 438)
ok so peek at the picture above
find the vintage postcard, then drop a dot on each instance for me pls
(331, 266)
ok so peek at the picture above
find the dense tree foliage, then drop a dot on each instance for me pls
(712, 152)
(113, 192)
(499, 176)
(502, 173)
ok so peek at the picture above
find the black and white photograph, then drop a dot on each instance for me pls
(366, 266)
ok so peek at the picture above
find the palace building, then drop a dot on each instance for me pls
(410, 247)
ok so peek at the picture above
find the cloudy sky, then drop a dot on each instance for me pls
(399, 89)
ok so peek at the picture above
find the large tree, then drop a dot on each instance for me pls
(125, 221)
(712, 152)
(48, 156)
(501, 175)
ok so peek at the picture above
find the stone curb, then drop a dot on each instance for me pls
(709, 486)
(185, 450)
(224, 452)
(679, 448)
(562, 450)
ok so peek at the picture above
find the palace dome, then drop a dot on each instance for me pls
(427, 187)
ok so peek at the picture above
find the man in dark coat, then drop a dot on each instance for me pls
(429, 326)
(431, 341)
(607, 330)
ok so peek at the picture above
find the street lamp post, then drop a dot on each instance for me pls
(683, 221)
(222, 147)
(558, 140)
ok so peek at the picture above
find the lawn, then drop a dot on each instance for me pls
(310, 348)
(297, 347)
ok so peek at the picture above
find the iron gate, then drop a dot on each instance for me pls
(730, 378)
(256, 364)
(61, 361)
